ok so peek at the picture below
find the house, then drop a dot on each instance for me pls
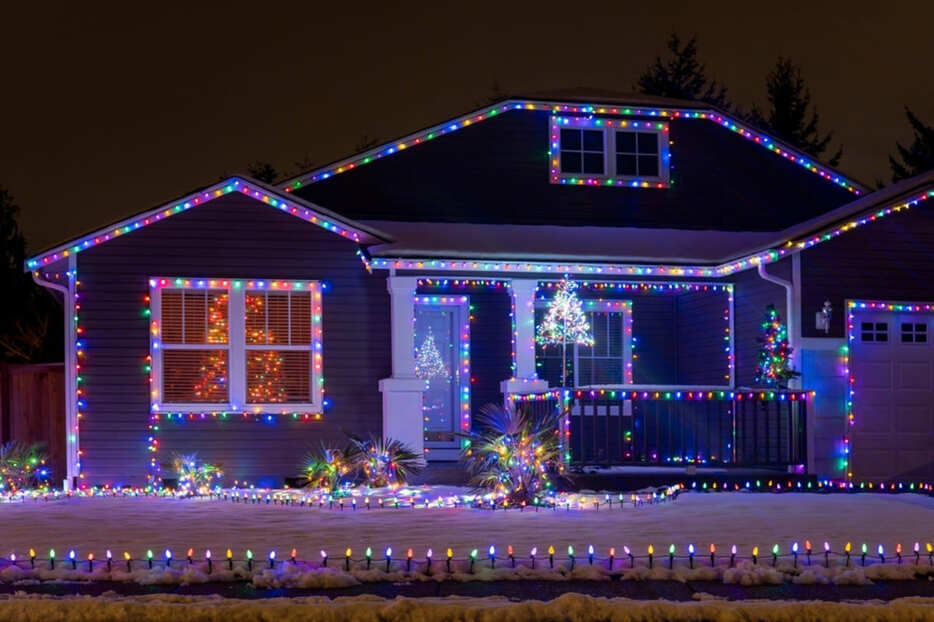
(397, 291)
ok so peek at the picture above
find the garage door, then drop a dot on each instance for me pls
(892, 364)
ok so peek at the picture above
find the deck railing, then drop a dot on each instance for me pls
(681, 425)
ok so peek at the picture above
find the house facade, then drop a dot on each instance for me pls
(398, 291)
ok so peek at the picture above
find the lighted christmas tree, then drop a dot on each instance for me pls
(774, 365)
(565, 323)
(428, 362)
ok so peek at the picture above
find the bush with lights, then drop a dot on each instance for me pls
(325, 467)
(23, 465)
(383, 462)
(514, 455)
(195, 477)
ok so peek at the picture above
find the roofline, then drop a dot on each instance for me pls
(702, 111)
(293, 205)
(894, 199)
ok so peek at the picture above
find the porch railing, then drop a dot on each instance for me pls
(680, 425)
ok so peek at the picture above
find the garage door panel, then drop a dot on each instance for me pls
(913, 464)
(873, 412)
(913, 418)
(873, 463)
(913, 374)
(874, 375)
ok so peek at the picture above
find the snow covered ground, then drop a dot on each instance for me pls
(567, 607)
(725, 519)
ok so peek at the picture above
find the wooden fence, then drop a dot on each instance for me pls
(32, 409)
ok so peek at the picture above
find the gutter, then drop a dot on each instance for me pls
(789, 306)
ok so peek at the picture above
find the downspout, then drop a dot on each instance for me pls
(789, 308)
(70, 362)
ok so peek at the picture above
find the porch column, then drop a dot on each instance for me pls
(402, 392)
(525, 379)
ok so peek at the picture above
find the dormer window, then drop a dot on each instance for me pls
(609, 152)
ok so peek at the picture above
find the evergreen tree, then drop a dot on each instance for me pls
(263, 171)
(790, 115)
(682, 75)
(774, 365)
(917, 158)
(565, 323)
(30, 320)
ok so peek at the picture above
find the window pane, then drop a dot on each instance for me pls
(648, 142)
(921, 328)
(570, 162)
(882, 336)
(921, 337)
(593, 163)
(277, 317)
(626, 165)
(277, 377)
(593, 140)
(195, 317)
(614, 341)
(571, 139)
(171, 316)
(907, 338)
(607, 371)
(255, 319)
(648, 166)
(882, 326)
(867, 337)
(301, 318)
(867, 326)
(194, 376)
(217, 316)
(625, 142)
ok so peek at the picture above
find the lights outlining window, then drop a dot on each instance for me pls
(609, 152)
(236, 346)
(874, 332)
(914, 332)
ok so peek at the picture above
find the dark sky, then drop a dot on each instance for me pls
(107, 112)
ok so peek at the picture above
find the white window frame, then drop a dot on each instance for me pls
(609, 127)
(236, 347)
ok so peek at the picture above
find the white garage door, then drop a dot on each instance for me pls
(892, 364)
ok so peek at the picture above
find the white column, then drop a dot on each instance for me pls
(402, 392)
(525, 379)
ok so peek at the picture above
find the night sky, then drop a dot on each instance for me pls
(109, 112)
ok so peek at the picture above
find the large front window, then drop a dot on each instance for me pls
(607, 362)
(236, 345)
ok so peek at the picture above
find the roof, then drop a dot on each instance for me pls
(264, 193)
(531, 248)
(582, 100)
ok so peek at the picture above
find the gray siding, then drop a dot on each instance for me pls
(238, 237)
(751, 295)
(701, 331)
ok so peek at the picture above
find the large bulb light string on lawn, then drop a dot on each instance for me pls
(799, 555)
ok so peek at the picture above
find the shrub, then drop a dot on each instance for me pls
(513, 454)
(325, 466)
(384, 462)
(193, 476)
(22, 465)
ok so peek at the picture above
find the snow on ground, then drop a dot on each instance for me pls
(567, 607)
(744, 519)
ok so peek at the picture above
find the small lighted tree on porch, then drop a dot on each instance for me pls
(564, 323)
(774, 366)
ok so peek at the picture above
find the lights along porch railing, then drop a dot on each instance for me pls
(678, 425)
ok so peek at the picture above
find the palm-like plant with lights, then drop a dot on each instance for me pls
(193, 476)
(22, 465)
(325, 466)
(514, 454)
(384, 461)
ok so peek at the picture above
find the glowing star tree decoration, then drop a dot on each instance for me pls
(428, 362)
(774, 366)
(564, 323)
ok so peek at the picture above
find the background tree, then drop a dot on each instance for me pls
(263, 171)
(30, 320)
(919, 156)
(682, 75)
(790, 115)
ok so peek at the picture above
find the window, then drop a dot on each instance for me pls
(637, 154)
(607, 362)
(913, 332)
(874, 332)
(614, 152)
(582, 151)
(225, 345)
